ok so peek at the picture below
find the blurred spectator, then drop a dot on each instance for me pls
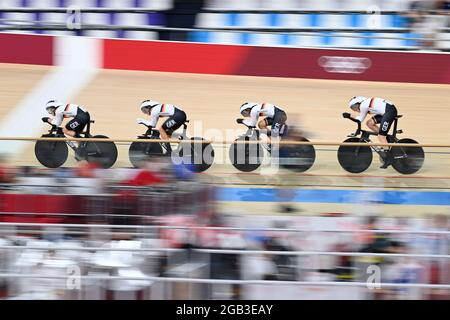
(259, 267)
(343, 270)
(443, 6)
(286, 265)
(62, 173)
(125, 202)
(227, 265)
(6, 174)
(438, 244)
(25, 171)
(374, 242)
(402, 224)
(425, 23)
(402, 270)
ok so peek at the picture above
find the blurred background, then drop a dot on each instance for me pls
(381, 24)
(163, 232)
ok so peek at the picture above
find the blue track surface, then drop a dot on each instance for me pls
(334, 196)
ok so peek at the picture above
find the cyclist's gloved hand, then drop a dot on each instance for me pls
(45, 119)
(57, 129)
(346, 115)
(141, 121)
(239, 121)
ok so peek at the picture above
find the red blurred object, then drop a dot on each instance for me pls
(42, 205)
(86, 169)
(175, 238)
(141, 179)
(436, 277)
(144, 178)
(3, 174)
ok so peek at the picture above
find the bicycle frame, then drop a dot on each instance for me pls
(253, 131)
(183, 136)
(365, 136)
(85, 134)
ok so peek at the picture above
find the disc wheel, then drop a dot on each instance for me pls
(298, 158)
(102, 153)
(408, 160)
(140, 152)
(246, 157)
(51, 154)
(197, 157)
(354, 159)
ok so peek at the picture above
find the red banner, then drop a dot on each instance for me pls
(26, 49)
(277, 62)
(244, 60)
(173, 57)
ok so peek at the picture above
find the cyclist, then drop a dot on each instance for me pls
(155, 110)
(274, 117)
(384, 113)
(58, 112)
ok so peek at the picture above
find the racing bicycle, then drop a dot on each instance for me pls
(196, 155)
(356, 159)
(247, 151)
(53, 154)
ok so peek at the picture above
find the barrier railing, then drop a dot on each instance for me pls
(206, 255)
(261, 229)
(240, 252)
(307, 32)
(242, 282)
(207, 10)
(282, 142)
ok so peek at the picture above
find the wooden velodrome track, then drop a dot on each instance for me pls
(212, 102)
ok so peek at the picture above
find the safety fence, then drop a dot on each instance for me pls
(121, 270)
(114, 204)
(227, 142)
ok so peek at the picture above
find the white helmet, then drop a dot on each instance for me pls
(355, 100)
(52, 104)
(247, 105)
(148, 104)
